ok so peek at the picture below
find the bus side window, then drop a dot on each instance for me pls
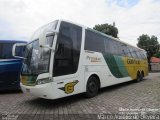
(20, 51)
(127, 51)
(143, 55)
(94, 42)
(67, 49)
(107, 42)
(133, 52)
(123, 50)
(138, 53)
(6, 50)
(114, 47)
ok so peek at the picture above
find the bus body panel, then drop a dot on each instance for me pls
(60, 87)
(95, 65)
(9, 74)
(9, 66)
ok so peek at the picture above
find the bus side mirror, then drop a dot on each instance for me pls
(42, 38)
(18, 50)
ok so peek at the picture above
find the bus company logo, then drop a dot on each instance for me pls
(133, 61)
(69, 87)
(94, 59)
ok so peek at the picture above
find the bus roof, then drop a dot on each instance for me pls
(13, 41)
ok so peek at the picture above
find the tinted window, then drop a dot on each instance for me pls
(134, 53)
(6, 50)
(143, 55)
(114, 47)
(129, 51)
(94, 41)
(138, 54)
(131, 54)
(99, 43)
(121, 49)
(19, 51)
(108, 43)
(67, 49)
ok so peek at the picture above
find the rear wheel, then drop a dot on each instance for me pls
(92, 87)
(142, 75)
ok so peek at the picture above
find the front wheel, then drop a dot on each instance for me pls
(92, 87)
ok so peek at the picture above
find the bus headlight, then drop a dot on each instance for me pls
(43, 81)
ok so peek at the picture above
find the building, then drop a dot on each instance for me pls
(155, 64)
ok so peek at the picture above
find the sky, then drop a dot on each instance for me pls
(20, 18)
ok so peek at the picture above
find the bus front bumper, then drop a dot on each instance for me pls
(42, 91)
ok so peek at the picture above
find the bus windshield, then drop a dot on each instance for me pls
(37, 59)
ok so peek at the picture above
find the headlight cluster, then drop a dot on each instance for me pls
(43, 81)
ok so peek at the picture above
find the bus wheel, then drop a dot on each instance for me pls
(139, 77)
(142, 73)
(92, 87)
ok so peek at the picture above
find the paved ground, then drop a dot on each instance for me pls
(142, 97)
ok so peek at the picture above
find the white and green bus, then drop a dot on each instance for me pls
(65, 58)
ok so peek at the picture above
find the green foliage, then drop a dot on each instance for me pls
(107, 29)
(150, 44)
(157, 55)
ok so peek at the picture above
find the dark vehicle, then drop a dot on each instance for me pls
(10, 66)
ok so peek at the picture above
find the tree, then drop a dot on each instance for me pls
(150, 44)
(157, 55)
(107, 29)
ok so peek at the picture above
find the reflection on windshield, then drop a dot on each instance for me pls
(31, 62)
(36, 58)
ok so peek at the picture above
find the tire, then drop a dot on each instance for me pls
(92, 87)
(142, 75)
(139, 77)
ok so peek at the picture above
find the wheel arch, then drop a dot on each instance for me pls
(138, 72)
(94, 75)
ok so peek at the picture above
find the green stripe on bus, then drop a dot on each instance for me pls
(121, 66)
(116, 65)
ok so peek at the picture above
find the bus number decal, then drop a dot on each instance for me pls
(69, 87)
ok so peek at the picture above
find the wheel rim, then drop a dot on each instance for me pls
(92, 87)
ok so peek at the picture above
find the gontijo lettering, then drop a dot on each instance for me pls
(133, 61)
